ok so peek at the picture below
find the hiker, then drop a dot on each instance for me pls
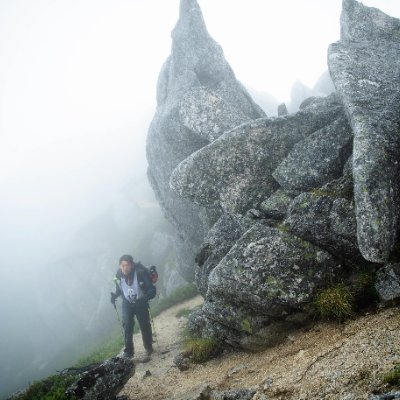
(133, 282)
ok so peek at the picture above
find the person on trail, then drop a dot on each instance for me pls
(133, 282)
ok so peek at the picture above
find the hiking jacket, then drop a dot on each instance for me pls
(144, 282)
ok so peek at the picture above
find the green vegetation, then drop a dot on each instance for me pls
(335, 302)
(282, 227)
(393, 377)
(180, 294)
(51, 388)
(319, 192)
(108, 349)
(364, 287)
(246, 326)
(202, 349)
(184, 312)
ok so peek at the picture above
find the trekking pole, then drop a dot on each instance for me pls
(119, 319)
(154, 330)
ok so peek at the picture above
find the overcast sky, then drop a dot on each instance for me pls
(77, 93)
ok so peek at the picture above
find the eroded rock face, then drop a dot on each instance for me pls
(235, 170)
(327, 221)
(277, 208)
(198, 97)
(318, 159)
(262, 288)
(272, 271)
(365, 69)
(388, 282)
(221, 237)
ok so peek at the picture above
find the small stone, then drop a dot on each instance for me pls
(146, 374)
(182, 362)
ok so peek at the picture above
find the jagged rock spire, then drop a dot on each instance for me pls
(198, 99)
(365, 69)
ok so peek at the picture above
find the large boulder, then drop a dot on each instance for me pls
(365, 69)
(327, 221)
(271, 272)
(198, 98)
(236, 169)
(317, 159)
(263, 287)
(221, 237)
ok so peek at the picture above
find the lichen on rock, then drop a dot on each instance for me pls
(269, 211)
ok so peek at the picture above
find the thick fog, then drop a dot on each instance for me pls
(77, 94)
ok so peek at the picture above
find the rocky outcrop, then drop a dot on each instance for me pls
(198, 98)
(318, 159)
(103, 381)
(276, 207)
(235, 171)
(282, 110)
(365, 70)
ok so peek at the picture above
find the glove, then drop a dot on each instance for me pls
(113, 298)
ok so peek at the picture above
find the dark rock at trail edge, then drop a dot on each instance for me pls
(103, 381)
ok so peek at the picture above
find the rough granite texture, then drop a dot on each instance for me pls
(271, 271)
(262, 288)
(198, 97)
(103, 381)
(327, 221)
(318, 159)
(365, 69)
(221, 237)
(276, 209)
(388, 282)
(236, 169)
(277, 205)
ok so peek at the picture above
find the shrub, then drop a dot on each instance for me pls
(202, 349)
(364, 287)
(393, 377)
(334, 303)
(51, 388)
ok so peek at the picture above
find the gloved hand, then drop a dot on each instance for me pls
(113, 298)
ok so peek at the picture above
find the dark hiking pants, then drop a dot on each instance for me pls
(141, 310)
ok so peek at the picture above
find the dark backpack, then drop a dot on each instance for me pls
(153, 274)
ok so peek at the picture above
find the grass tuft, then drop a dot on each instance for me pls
(334, 303)
(393, 377)
(184, 312)
(202, 349)
(51, 388)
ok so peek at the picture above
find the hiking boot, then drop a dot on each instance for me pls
(149, 352)
(127, 354)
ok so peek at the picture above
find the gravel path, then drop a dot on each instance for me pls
(327, 361)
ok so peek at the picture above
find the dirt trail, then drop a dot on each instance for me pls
(327, 361)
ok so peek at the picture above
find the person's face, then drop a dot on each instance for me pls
(126, 267)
